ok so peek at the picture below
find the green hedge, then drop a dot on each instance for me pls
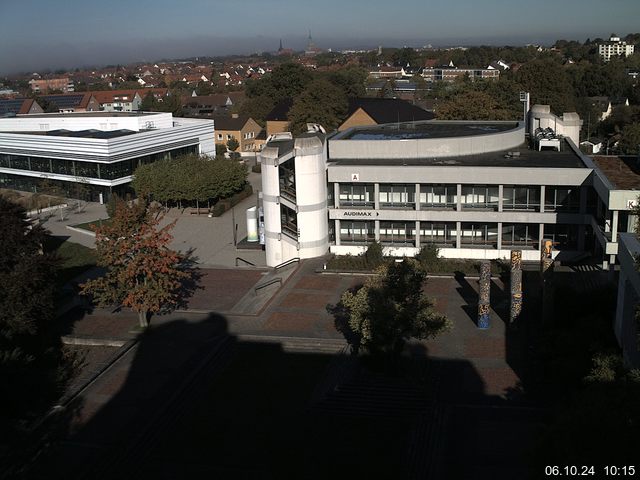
(227, 203)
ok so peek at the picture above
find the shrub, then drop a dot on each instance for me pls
(373, 256)
(428, 257)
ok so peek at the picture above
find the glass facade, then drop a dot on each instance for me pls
(479, 234)
(520, 235)
(397, 196)
(360, 233)
(517, 197)
(438, 196)
(78, 168)
(564, 237)
(480, 196)
(440, 234)
(357, 195)
(562, 199)
(398, 233)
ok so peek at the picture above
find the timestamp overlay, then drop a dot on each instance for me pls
(604, 471)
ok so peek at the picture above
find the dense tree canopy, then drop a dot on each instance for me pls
(30, 352)
(142, 273)
(548, 83)
(189, 179)
(321, 102)
(630, 139)
(391, 308)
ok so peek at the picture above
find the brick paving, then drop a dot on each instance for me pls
(473, 362)
(221, 288)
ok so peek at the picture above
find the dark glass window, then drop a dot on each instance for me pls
(63, 167)
(441, 234)
(520, 234)
(481, 234)
(562, 199)
(112, 171)
(398, 196)
(86, 169)
(520, 198)
(19, 162)
(480, 196)
(398, 233)
(360, 233)
(289, 221)
(356, 195)
(40, 164)
(438, 196)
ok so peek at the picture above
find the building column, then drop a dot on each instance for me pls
(540, 236)
(459, 198)
(458, 233)
(337, 232)
(614, 226)
(417, 197)
(500, 199)
(500, 235)
(336, 195)
(377, 232)
(542, 193)
(417, 233)
(376, 197)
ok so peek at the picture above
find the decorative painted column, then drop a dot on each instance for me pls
(484, 320)
(546, 273)
(516, 286)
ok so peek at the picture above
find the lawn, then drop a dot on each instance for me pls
(74, 259)
(97, 223)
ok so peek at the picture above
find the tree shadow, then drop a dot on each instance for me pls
(469, 295)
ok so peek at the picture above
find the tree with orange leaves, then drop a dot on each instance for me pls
(142, 273)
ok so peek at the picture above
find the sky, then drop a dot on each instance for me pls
(46, 34)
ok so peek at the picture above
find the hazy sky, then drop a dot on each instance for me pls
(38, 34)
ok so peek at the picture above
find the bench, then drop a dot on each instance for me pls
(198, 211)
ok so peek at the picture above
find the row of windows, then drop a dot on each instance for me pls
(77, 168)
(473, 196)
(444, 234)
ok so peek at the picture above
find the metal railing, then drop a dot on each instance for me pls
(245, 261)
(288, 262)
(267, 283)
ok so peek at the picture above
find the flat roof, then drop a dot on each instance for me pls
(525, 157)
(91, 133)
(88, 114)
(405, 131)
(622, 171)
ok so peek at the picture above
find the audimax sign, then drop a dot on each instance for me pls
(360, 214)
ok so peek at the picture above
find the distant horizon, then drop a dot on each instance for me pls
(38, 35)
(298, 44)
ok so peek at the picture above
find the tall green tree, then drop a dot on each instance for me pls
(321, 102)
(31, 359)
(473, 105)
(391, 308)
(142, 273)
(630, 139)
(548, 83)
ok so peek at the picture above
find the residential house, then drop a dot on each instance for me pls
(19, 106)
(73, 102)
(377, 111)
(43, 85)
(209, 105)
(118, 100)
(277, 119)
(614, 48)
(244, 129)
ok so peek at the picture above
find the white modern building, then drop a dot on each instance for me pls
(474, 189)
(98, 149)
(615, 48)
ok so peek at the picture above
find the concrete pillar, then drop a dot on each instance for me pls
(337, 231)
(376, 195)
(516, 286)
(417, 234)
(540, 236)
(500, 202)
(459, 198)
(499, 236)
(458, 235)
(377, 232)
(418, 196)
(542, 194)
(614, 226)
(336, 194)
(484, 302)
